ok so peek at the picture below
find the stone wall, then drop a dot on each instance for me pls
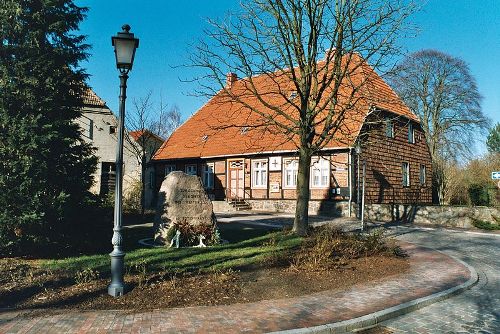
(450, 216)
(323, 208)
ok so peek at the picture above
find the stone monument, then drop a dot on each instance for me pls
(184, 207)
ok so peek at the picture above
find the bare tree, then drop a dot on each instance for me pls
(148, 128)
(282, 41)
(440, 89)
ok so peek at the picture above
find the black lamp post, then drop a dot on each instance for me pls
(125, 45)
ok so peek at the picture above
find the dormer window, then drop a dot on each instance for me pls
(204, 138)
(244, 130)
(293, 95)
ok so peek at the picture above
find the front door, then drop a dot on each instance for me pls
(236, 179)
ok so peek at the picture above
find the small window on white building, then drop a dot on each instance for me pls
(208, 175)
(422, 175)
(259, 173)
(191, 170)
(291, 168)
(169, 169)
(405, 168)
(320, 173)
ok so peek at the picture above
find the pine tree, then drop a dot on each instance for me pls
(493, 139)
(45, 169)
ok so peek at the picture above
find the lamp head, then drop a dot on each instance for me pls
(125, 45)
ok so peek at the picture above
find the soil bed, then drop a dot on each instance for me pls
(24, 285)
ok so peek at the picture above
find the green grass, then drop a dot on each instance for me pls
(248, 246)
(484, 225)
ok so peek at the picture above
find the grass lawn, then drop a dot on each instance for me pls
(256, 263)
(246, 246)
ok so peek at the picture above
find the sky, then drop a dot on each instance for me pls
(168, 30)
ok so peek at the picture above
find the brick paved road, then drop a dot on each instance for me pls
(474, 311)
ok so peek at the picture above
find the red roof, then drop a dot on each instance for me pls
(225, 126)
(91, 99)
(139, 133)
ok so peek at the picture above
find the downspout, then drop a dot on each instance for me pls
(349, 164)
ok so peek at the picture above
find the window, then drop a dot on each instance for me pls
(191, 169)
(422, 175)
(87, 126)
(169, 169)
(389, 128)
(320, 173)
(290, 174)
(208, 175)
(411, 134)
(406, 174)
(112, 129)
(259, 173)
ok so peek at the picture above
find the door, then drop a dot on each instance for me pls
(236, 179)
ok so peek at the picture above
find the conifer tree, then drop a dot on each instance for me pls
(45, 168)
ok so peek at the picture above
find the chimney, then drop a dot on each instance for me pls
(230, 79)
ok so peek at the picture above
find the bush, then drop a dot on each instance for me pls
(478, 194)
(329, 247)
(132, 201)
(484, 225)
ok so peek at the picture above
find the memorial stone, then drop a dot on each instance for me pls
(183, 206)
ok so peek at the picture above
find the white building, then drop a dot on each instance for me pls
(100, 128)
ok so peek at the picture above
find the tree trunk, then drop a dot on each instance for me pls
(301, 221)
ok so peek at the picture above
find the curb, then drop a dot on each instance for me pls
(375, 318)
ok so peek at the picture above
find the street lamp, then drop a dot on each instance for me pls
(125, 45)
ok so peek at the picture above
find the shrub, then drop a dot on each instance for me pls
(329, 246)
(478, 194)
(86, 275)
(484, 225)
(132, 201)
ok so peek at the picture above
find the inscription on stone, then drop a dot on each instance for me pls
(183, 206)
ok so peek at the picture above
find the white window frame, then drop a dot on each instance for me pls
(411, 133)
(405, 174)
(423, 174)
(294, 172)
(260, 173)
(191, 169)
(321, 167)
(169, 169)
(208, 175)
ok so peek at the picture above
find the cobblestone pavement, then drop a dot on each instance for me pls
(474, 311)
(430, 272)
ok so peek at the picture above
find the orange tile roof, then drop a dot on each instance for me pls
(91, 99)
(225, 126)
(139, 133)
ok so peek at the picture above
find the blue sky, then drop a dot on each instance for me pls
(468, 29)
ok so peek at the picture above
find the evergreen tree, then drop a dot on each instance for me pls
(45, 169)
(493, 140)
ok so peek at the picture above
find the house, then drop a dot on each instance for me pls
(240, 156)
(146, 144)
(99, 127)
